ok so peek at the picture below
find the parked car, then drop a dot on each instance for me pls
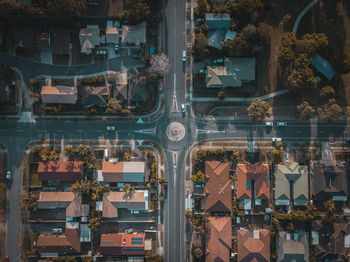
(57, 230)
(202, 71)
(110, 128)
(199, 185)
(184, 55)
(276, 139)
(183, 109)
(287, 156)
(282, 123)
(8, 175)
(268, 123)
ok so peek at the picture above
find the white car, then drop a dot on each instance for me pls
(184, 55)
(9, 175)
(183, 108)
(276, 139)
(110, 128)
(269, 124)
(282, 123)
(57, 230)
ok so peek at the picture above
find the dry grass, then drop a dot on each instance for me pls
(2, 244)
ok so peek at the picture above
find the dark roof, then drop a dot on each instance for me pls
(24, 35)
(66, 243)
(252, 157)
(323, 175)
(60, 41)
(329, 242)
(137, 89)
(43, 41)
(95, 95)
(218, 20)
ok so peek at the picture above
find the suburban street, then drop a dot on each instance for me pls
(15, 136)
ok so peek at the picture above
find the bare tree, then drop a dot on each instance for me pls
(159, 64)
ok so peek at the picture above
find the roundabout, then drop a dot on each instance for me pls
(175, 131)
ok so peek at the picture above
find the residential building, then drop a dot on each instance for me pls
(137, 89)
(330, 242)
(218, 240)
(112, 35)
(135, 34)
(218, 187)
(291, 182)
(253, 185)
(218, 29)
(218, 20)
(60, 42)
(60, 170)
(122, 244)
(217, 37)
(59, 94)
(24, 36)
(330, 181)
(89, 39)
(253, 245)
(121, 86)
(131, 172)
(134, 201)
(323, 66)
(234, 73)
(293, 246)
(95, 95)
(43, 41)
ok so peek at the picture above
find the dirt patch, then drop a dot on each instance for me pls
(275, 34)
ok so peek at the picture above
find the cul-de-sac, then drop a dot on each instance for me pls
(175, 130)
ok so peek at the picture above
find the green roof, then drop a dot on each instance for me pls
(218, 20)
(323, 66)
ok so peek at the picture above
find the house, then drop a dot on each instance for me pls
(95, 95)
(218, 20)
(131, 172)
(137, 89)
(217, 187)
(89, 39)
(134, 34)
(134, 201)
(330, 242)
(330, 181)
(63, 200)
(122, 244)
(58, 94)
(52, 245)
(291, 182)
(234, 73)
(43, 41)
(25, 36)
(293, 246)
(112, 35)
(253, 245)
(121, 86)
(218, 29)
(60, 170)
(253, 185)
(323, 66)
(60, 42)
(218, 239)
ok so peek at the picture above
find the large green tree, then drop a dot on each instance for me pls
(302, 80)
(248, 7)
(114, 106)
(200, 44)
(66, 7)
(327, 92)
(305, 111)
(330, 111)
(258, 110)
(201, 8)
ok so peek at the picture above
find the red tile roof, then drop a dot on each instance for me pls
(218, 240)
(255, 172)
(256, 248)
(217, 187)
(122, 244)
(60, 170)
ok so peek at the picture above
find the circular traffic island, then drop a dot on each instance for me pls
(175, 131)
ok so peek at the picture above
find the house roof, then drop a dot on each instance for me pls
(112, 31)
(137, 89)
(134, 33)
(123, 167)
(323, 66)
(60, 41)
(288, 173)
(330, 241)
(255, 247)
(58, 90)
(218, 20)
(95, 95)
(57, 167)
(215, 38)
(218, 240)
(43, 40)
(122, 240)
(68, 200)
(293, 245)
(232, 73)
(89, 38)
(56, 196)
(69, 242)
(257, 172)
(24, 35)
(121, 88)
(217, 187)
(337, 173)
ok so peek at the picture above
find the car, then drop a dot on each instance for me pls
(110, 128)
(184, 55)
(276, 139)
(202, 71)
(57, 230)
(9, 175)
(282, 123)
(135, 212)
(287, 156)
(7, 259)
(183, 108)
(268, 123)
(199, 186)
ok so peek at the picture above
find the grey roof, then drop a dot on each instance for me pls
(323, 66)
(134, 33)
(215, 38)
(232, 73)
(60, 41)
(89, 38)
(137, 89)
(293, 246)
(95, 95)
(218, 20)
(298, 175)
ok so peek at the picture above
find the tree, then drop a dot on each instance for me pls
(327, 92)
(34, 82)
(94, 222)
(346, 63)
(198, 252)
(249, 6)
(286, 56)
(305, 111)
(136, 12)
(239, 46)
(330, 215)
(198, 177)
(201, 9)
(200, 44)
(222, 94)
(249, 32)
(159, 64)
(330, 111)
(114, 105)
(66, 7)
(302, 80)
(310, 43)
(258, 110)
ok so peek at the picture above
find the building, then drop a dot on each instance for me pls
(95, 95)
(43, 41)
(89, 39)
(112, 35)
(218, 187)
(218, 20)
(135, 34)
(121, 86)
(134, 201)
(60, 42)
(323, 66)
(132, 172)
(330, 181)
(218, 29)
(218, 240)
(59, 94)
(253, 245)
(291, 182)
(330, 242)
(253, 185)
(60, 171)
(122, 244)
(137, 89)
(234, 73)
(24, 36)
(293, 246)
